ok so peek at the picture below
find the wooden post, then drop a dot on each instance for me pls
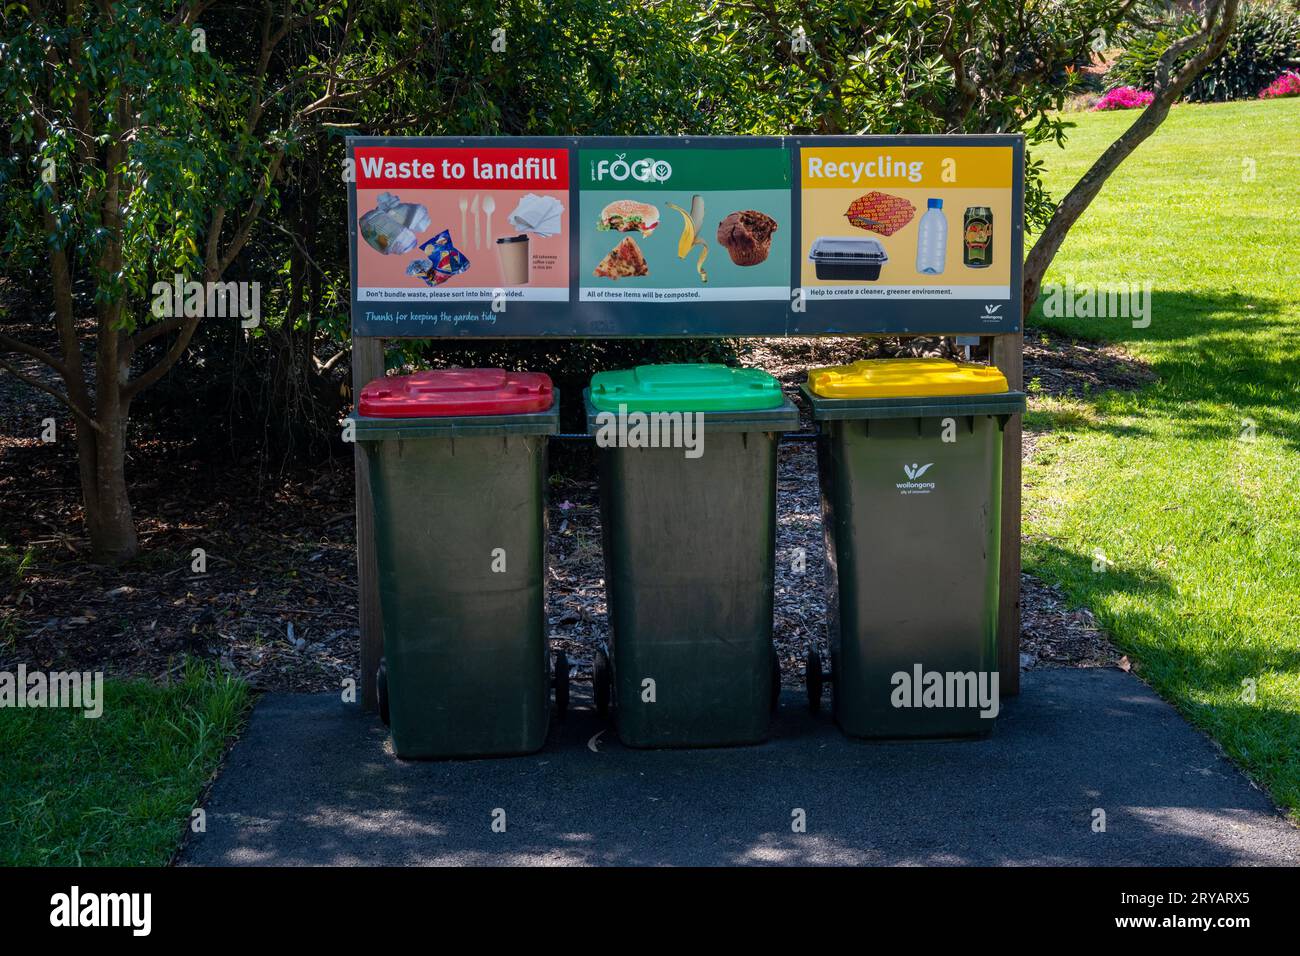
(367, 364)
(1007, 353)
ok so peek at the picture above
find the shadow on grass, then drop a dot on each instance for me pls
(1209, 352)
(1078, 575)
(1225, 666)
(1176, 317)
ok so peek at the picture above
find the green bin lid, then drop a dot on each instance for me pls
(782, 418)
(703, 387)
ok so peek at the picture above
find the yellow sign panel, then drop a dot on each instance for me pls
(938, 167)
(884, 220)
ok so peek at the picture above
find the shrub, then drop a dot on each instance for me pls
(1264, 42)
(1124, 98)
(1288, 84)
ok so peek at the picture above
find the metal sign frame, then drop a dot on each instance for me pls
(708, 319)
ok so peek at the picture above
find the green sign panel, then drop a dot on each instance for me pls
(674, 225)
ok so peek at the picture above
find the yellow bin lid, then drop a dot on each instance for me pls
(905, 378)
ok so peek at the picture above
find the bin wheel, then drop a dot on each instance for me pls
(813, 680)
(776, 680)
(600, 681)
(381, 690)
(561, 682)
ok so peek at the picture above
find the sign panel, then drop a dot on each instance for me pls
(440, 238)
(684, 225)
(685, 236)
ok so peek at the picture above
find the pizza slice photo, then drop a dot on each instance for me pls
(624, 261)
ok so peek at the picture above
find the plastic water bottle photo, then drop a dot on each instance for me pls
(932, 240)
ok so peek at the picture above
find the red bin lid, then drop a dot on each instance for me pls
(456, 391)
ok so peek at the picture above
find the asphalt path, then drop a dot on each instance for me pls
(314, 781)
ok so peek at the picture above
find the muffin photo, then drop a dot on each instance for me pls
(747, 236)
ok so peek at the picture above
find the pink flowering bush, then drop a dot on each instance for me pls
(1124, 98)
(1288, 84)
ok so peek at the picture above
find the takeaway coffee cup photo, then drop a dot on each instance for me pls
(512, 251)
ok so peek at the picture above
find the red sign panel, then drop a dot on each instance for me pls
(419, 167)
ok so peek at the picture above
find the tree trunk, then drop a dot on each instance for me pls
(109, 521)
(108, 518)
(1216, 27)
(1080, 197)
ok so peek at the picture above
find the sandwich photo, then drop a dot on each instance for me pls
(628, 215)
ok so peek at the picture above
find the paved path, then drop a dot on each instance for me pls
(311, 782)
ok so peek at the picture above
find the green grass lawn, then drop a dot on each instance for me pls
(1200, 525)
(116, 790)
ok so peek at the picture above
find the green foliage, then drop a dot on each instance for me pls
(430, 68)
(13, 570)
(435, 67)
(13, 566)
(163, 172)
(1264, 42)
(892, 66)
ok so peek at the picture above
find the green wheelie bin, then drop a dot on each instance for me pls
(458, 474)
(910, 467)
(689, 534)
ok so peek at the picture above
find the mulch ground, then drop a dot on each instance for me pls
(276, 602)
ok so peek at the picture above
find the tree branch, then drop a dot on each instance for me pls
(967, 88)
(48, 389)
(1216, 28)
(145, 379)
(331, 361)
(72, 371)
(84, 135)
(151, 332)
(10, 344)
(245, 228)
(189, 14)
